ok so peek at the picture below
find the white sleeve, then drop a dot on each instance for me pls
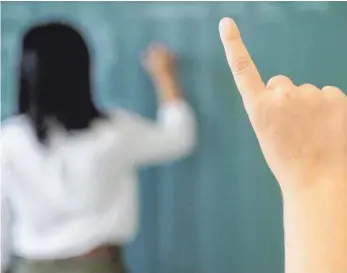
(172, 137)
(5, 218)
(5, 253)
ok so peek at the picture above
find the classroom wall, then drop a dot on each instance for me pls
(219, 210)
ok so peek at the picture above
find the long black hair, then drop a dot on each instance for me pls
(55, 82)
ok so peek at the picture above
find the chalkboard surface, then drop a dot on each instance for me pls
(220, 210)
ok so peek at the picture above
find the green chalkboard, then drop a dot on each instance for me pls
(220, 210)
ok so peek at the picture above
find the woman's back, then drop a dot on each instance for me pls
(81, 179)
(84, 178)
(73, 182)
(69, 172)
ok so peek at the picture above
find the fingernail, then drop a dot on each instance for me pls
(221, 24)
(224, 23)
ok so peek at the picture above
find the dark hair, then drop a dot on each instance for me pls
(55, 80)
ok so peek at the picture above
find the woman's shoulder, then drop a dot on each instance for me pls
(120, 122)
(12, 125)
(12, 132)
(121, 115)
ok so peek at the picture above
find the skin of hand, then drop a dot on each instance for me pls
(302, 132)
(158, 61)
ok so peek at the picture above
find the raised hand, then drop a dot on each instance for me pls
(302, 130)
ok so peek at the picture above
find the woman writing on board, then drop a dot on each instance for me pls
(69, 183)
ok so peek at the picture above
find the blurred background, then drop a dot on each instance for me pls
(220, 210)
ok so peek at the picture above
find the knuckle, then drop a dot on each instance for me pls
(278, 80)
(308, 90)
(331, 89)
(307, 86)
(333, 92)
(240, 65)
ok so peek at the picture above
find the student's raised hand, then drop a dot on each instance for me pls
(302, 130)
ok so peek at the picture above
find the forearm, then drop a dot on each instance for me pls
(167, 88)
(315, 222)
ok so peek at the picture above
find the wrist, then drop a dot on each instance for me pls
(315, 223)
(310, 177)
(167, 88)
(320, 187)
(169, 95)
(163, 77)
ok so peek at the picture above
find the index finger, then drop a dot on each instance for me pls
(246, 75)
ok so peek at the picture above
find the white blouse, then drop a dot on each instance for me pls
(80, 191)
